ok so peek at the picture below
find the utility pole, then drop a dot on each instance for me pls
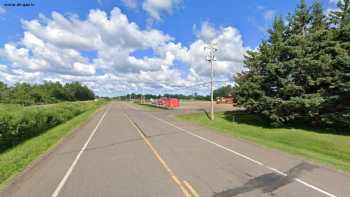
(211, 58)
(142, 95)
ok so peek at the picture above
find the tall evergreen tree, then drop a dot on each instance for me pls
(338, 103)
(318, 19)
(298, 23)
(341, 16)
(297, 50)
(258, 89)
(275, 53)
(301, 71)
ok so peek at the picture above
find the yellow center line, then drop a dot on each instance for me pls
(192, 190)
(155, 152)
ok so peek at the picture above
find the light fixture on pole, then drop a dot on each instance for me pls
(211, 58)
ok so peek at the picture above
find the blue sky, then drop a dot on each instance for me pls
(188, 24)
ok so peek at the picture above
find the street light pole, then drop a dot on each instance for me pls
(211, 58)
(212, 90)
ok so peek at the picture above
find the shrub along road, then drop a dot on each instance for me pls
(124, 151)
(18, 123)
(29, 134)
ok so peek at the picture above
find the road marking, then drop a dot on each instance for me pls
(245, 157)
(211, 142)
(70, 170)
(277, 171)
(155, 152)
(314, 187)
(192, 190)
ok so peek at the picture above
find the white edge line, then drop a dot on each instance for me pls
(68, 173)
(211, 142)
(246, 157)
(314, 187)
(277, 171)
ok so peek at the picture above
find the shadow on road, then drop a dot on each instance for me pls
(268, 183)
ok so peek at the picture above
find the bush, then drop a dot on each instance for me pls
(20, 123)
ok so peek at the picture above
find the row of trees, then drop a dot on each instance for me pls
(152, 96)
(219, 92)
(302, 71)
(48, 92)
(224, 91)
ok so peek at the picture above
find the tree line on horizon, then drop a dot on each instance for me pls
(46, 93)
(301, 72)
(227, 90)
(154, 96)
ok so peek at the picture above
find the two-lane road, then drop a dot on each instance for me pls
(124, 151)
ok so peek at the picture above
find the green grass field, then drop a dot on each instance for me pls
(19, 157)
(318, 145)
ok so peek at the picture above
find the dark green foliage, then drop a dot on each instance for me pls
(299, 21)
(75, 91)
(46, 93)
(302, 72)
(4, 92)
(318, 19)
(223, 91)
(18, 123)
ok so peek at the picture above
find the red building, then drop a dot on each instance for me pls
(169, 102)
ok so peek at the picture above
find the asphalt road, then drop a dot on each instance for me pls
(124, 151)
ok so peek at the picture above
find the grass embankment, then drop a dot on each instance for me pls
(18, 123)
(17, 158)
(323, 146)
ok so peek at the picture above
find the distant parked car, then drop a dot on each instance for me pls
(224, 100)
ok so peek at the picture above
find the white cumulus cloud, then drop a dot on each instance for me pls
(101, 52)
(130, 3)
(156, 7)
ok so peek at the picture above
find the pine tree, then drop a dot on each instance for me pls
(337, 108)
(301, 71)
(341, 16)
(298, 48)
(276, 52)
(248, 84)
(299, 21)
(259, 88)
(318, 19)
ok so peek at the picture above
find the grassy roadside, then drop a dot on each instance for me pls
(320, 146)
(18, 158)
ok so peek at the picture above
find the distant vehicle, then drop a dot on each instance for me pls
(224, 100)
